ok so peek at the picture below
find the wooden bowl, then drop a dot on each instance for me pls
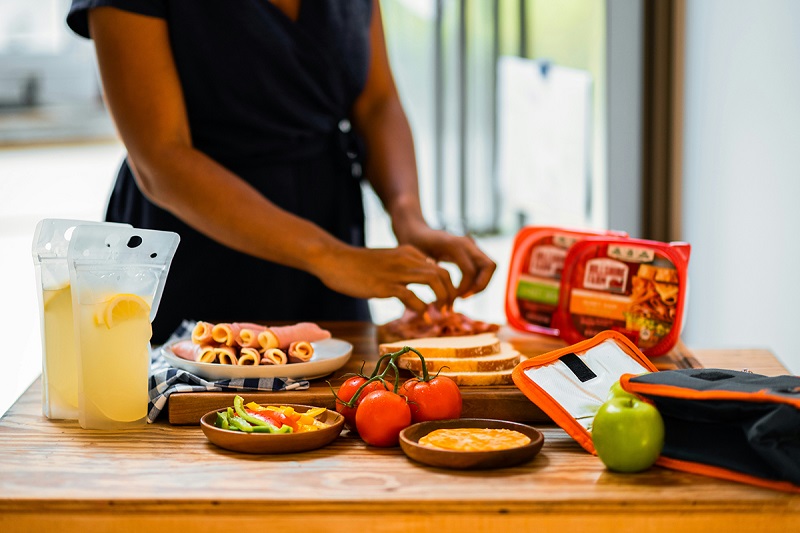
(239, 441)
(469, 460)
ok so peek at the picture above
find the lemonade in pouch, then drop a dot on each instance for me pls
(117, 277)
(59, 354)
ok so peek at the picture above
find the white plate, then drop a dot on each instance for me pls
(329, 356)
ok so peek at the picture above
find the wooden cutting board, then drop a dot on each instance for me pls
(499, 402)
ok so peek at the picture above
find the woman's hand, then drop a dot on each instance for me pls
(385, 273)
(475, 266)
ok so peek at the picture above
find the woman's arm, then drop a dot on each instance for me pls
(392, 171)
(144, 96)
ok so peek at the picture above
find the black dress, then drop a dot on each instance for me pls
(270, 99)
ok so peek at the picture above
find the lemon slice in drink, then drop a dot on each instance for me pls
(124, 307)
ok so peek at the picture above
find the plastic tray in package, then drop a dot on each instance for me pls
(59, 355)
(117, 277)
(534, 275)
(636, 287)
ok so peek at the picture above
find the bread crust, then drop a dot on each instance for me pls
(443, 347)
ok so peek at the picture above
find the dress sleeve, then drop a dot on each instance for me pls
(78, 21)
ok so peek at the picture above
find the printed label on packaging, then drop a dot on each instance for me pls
(623, 292)
(538, 285)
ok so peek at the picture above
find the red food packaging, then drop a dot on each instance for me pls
(636, 287)
(534, 276)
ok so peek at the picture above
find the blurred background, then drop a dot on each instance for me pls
(671, 120)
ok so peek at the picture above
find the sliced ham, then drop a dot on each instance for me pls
(302, 331)
(201, 334)
(246, 343)
(249, 356)
(229, 334)
(187, 350)
(226, 355)
(208, 355)
(300, 352)
(274, 356)
(248, 335)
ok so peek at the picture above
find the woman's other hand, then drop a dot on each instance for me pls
(385, 273)
(475, 266)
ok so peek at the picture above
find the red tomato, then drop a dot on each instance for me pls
(381, 417)
(437, 399)
(346, 392)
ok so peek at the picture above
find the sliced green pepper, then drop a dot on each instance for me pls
(241, 424)
(272, 429)
(238, 405)
(222, 421)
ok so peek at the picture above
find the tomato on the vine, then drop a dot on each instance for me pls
(381, 416)
(345, 394)
(437, 399)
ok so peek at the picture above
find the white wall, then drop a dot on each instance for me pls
(742, 175)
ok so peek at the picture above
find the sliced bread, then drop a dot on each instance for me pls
(444, 347)
(499, 377)
(507, 358)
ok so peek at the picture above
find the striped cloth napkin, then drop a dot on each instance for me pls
(165, 379)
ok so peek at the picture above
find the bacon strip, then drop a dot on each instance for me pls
(433, 322)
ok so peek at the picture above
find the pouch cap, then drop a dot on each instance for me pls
(121, 259)
(50, 244)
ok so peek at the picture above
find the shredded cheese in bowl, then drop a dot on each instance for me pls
(474, 439)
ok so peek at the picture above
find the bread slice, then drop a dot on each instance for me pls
(507, 358)
(443, 347)
(499, 377)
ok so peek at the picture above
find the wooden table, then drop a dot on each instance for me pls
(55, 476)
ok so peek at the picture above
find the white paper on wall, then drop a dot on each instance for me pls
(544, 134)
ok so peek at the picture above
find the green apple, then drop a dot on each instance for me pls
(616, 391)
(628, 434)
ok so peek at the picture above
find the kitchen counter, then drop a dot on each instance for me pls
(164, 477)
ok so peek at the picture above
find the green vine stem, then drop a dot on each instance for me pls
(390, 360)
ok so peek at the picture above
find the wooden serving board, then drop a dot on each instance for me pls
(504, 402)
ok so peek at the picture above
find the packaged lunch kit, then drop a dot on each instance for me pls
(575, 284)
(720, 423)
(534, 276)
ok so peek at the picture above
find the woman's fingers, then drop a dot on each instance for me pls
(438, 279)
(475, 266)
(410, 299)
(482, 270)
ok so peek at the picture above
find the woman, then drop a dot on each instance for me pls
(248, 125)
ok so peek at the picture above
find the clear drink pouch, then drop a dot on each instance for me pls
(636, 287)
(534, 275)
(59, 355)
(117, 277)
